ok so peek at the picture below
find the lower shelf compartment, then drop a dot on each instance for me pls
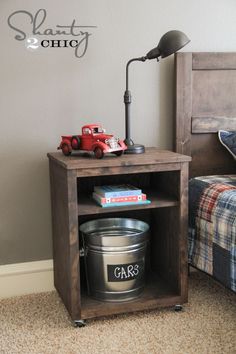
(156, 294)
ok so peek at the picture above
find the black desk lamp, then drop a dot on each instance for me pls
(169, 43)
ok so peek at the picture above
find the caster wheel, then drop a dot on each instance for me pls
(80, 323)
(178, 308)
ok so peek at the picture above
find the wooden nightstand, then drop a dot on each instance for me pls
(163, 176)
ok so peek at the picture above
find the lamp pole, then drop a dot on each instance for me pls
(131, 147)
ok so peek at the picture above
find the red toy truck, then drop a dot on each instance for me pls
(93, 138)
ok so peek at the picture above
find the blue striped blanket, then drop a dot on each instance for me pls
(212, 227)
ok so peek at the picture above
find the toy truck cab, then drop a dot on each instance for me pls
(93, 138)
(90, 135)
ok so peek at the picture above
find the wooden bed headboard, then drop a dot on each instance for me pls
(205, 103)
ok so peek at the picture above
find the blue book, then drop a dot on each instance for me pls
(121, 190)
(108, 205)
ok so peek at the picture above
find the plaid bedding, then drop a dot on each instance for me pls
(212, 227)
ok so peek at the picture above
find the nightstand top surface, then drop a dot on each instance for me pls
(85, 160)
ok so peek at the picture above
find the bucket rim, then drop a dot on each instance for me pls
(87, 227)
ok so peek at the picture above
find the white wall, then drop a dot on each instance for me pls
(49, 92)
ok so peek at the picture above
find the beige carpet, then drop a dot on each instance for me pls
(40, 324)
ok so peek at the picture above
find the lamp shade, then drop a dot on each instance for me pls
(169, 43)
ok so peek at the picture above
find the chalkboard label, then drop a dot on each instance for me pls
(124, 272)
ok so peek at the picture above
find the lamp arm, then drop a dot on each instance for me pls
(127, 69)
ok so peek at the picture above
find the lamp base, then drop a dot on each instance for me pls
(134, 149)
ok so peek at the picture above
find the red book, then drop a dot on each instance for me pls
(124, 199)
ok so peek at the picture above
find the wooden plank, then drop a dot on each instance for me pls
(183, 104)
(169, 241)
(65, 237)
(212, 124)
(81, 161)
(60, 239)
(214, 61)
(183, 232)
(94, 309)
(213, 93)
(131, 169)
(74, 261)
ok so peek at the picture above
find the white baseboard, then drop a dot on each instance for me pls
(26, 278)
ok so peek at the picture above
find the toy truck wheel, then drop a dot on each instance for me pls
(98, 153)
(75, 142)
(66, 149)
(118, 153)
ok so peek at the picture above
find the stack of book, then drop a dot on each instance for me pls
(119, 195)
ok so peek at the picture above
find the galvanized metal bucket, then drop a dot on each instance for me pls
(115, 250)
